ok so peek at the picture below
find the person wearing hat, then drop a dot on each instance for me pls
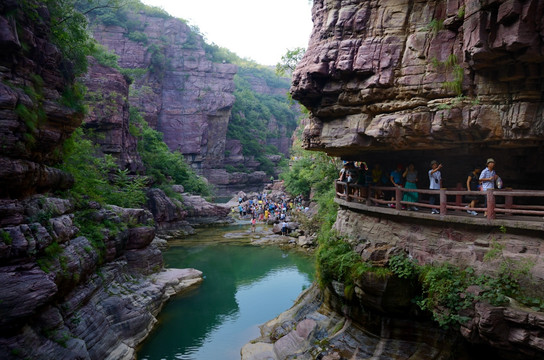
(435, 182)
(488, 175)
(487, 178)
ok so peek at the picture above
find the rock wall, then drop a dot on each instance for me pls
(79, 283)
(385, 78)
(108, 115)
(68, 296)
(34, 120)
(186, 96)
(189, 98)
(512, 331)
(396, 81)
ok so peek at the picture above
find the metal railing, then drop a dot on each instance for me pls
(368, 196)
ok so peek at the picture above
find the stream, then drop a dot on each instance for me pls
(244, 286)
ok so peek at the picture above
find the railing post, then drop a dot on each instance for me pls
(443, 202)
(347, 192)
(490, 204)
(398, 197)
(368, 196)
(508, 203)
(458, 198)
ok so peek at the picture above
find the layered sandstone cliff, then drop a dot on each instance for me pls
(35, 119)
(108, 115)
(185, 96)
(68, 291)
(454, 79)
(397, 81)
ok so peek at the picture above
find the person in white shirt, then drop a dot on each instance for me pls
(435, 182)
(488, 177)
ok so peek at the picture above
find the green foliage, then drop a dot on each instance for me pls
(444, 293)
(164, 166)
(105, 57)
(444, 286)
(51, 253)
(289, 61)
(456, 85)
(403, 267)
(6, 237)
(252, 113)
(159, 63)
(335, 260)
(451, 65)
(461, 12)
(73, 96)
(435, 26)
(133, 74)
(91, 173)
(69, 33)
(29, 117)
(310, 170)
(97, 230)
(138, 36)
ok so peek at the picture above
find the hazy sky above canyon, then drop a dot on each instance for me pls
(261, 30)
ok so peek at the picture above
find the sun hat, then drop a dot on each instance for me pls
(490, 160)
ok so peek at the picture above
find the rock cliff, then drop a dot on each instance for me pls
(108, 115)
(399, 81)
(452, 79)
(35, 117)
(185, 95)
(78, 282)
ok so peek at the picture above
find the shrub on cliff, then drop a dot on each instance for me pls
(163, 166)
(97, 177)
(310, 171)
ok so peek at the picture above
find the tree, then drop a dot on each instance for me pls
(289, 61)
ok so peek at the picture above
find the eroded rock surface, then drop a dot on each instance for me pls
(108, 115)
(189, 100)
(395, 76)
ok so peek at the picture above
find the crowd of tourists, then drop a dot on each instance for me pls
(261, 207)
(480, 178)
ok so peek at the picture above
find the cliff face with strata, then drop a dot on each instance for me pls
(189, 98)
(35, 121)
(397, 81)
(456, 80)
(66, 294)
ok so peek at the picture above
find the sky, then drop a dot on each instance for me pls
(261, 30)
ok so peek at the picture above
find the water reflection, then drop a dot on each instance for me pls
(244, 287)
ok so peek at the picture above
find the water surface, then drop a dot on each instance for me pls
(244, 286)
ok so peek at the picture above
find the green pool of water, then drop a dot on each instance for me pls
(244, 286)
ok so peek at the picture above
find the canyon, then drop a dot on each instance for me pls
(184, 93)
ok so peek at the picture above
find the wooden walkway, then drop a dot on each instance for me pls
(510, 211)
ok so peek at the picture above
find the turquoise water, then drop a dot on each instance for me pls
(244, 286)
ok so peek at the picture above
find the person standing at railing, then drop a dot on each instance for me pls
(410, 174)
(435, 182)
(376, 179)
(473, 183)
(343, 175)
(396, 179)
(488, 177)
